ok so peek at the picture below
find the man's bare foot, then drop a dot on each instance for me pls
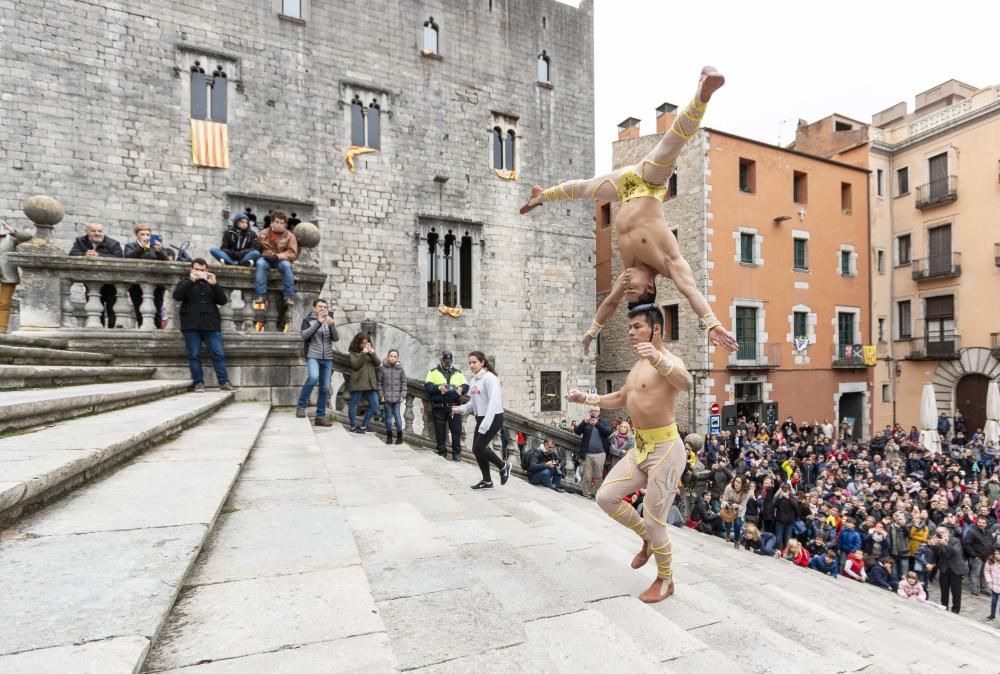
(711, 81)
(534, 201)
(641, 557)
(658, 591)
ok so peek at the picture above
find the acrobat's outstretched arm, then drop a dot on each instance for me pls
(679, 271)
(600, 188)
(604, 313)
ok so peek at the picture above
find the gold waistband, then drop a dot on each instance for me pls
(654, 436)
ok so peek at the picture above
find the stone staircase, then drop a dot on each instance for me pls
(247, 542)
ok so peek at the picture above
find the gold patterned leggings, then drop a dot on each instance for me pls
(659, 473)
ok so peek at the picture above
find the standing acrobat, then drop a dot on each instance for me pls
(647, 247)
(656, 462)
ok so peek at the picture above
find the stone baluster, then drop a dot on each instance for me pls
(147, 308)
(68, 317)
(247, 311)
(428, 422)
(93, 305)
(226, 311)
(124, 311)
(408, 413)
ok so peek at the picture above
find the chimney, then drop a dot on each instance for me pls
(665, 116)
(628, 129)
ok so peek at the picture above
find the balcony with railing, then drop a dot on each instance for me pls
(755, 356)
(937, 266)
(941, 191)
(939, 346)
(848, 356)
(995, 344)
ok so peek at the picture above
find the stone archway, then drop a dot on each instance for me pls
(413, 354)
(976, 360)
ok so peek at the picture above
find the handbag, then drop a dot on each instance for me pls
(729, 512)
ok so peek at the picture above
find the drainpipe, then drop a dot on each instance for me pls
(892, 294)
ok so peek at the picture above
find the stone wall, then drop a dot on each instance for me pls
(685, 213)
(96, 113)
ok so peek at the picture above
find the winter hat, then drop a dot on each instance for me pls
(240, 216)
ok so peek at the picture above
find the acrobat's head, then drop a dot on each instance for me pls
(640, 286)
(645, 324)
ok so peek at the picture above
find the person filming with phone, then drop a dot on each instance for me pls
(201, 296)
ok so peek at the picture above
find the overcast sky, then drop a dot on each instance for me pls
(792, 60)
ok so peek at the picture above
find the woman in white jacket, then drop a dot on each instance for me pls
(486, 403)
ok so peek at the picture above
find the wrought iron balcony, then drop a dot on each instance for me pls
(848, 356)
(943, 346)
(937, 266)
(941, 191)
(755, 356)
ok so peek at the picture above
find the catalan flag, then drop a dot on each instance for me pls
(209, 144)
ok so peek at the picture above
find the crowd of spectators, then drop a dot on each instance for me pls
(886, 512)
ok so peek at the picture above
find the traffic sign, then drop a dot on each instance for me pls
(714, 408)
(715, 423)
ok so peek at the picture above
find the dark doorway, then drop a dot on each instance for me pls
(851, 407)
(748, 400)
(970, 399)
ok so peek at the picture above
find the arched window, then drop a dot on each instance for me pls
(357, 122)
(219, 95)
(199, 92)
(497, 148)
(374, 125)
(433, 276)
(543, 68)
(450, 287)
(465, 272)
(430, 36)
(508, 154)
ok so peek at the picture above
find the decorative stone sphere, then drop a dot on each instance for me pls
(307, 234)
(696, 441)
(43, 210)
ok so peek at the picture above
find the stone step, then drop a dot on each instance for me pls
(737, 611)
(278, 586)
(92, 578)
(13, 354)
(14, 377)
(28, 340)
(24, 409)
(38, 466)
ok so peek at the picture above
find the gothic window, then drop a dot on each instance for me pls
(292, 8)
(430, 36)
(366, 123)
(209, 94)
(497, 148)
(544, 64)
(449, 268)
(508, 151)
(551, 393)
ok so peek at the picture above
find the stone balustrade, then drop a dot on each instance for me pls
(60, 294)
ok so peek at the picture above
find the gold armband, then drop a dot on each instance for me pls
(592, 399)
(591, 334)
(662, 367)
(710, 321)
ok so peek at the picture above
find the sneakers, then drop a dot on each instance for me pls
(227, 387)
(558, 489)
(323, 421)
(991, 617)
(505, 473)
(300, 412)
(483, 484)
(457, 457)
(198, 388)
(358, 430)
(248, 263)
(365, 429)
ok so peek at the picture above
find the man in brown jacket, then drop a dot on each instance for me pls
(278, 250)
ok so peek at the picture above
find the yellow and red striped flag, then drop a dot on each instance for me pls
(209, 144)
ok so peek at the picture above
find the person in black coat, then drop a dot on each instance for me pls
(200, 297)
(95, 244)
(239, 243)
(951, 565)
(145, 247)
(786, 511)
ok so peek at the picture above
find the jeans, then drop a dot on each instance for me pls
(975, 575)
(993, 605)
(546, 477)
(226, 258)
(735, 528)
(392, 412)
(352, 406)
(317, 371)
(213, 340)
(287, 278)
(901, 567)
(783, 532)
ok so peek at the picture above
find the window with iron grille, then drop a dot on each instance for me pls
(551, 393)
(746, 248)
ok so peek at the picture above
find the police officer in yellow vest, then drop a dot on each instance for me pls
(444, 386)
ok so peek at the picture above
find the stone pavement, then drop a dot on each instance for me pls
(337, 553)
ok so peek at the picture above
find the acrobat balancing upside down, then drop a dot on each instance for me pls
(646, 245)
